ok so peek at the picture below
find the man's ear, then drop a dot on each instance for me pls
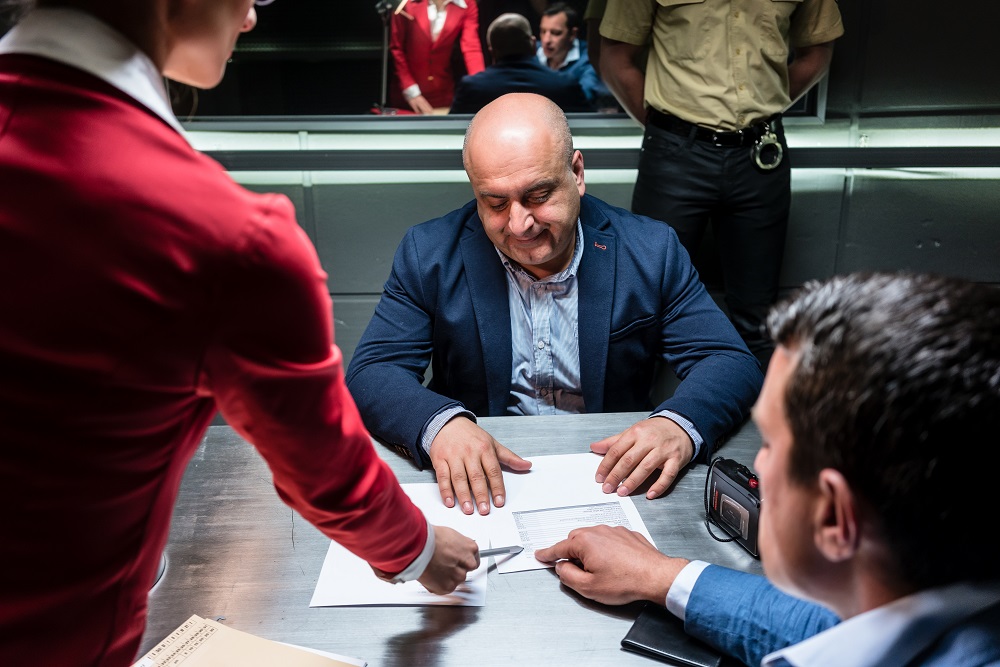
(577, 166)
(836, 526)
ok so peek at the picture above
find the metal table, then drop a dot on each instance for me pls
(237, 553)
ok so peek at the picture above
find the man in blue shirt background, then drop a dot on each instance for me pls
(561, 50)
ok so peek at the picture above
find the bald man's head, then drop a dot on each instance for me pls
(527, 180)
(520, 113)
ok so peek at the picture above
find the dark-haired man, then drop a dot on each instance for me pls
(880, 404)
(560, 49)
(514, 70)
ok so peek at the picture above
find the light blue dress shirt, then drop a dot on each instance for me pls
(881, 637)
(545, 371)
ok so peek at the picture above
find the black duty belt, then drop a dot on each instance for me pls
(765, 148)
(745, 137)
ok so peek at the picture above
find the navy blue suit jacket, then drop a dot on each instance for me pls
(640, 300)
(520, 75)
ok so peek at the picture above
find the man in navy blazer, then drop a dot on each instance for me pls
(878, 417)
(515, 69)
(537, 299)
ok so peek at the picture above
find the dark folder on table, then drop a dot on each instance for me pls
(659, 634)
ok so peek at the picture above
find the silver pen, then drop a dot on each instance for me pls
(501, 551)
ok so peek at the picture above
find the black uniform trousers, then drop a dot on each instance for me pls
(688, 182)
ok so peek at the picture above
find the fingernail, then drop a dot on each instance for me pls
(607, 488)
(498, 501)
(622, 490)
(600, 478)
(484, 508)
(449, 502)
(467, 507)
(650, 495)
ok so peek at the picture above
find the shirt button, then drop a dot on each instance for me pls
(541, 345)
(431, 78)
(736, 15)
(742, 87)
(738, 51)
(545, 392)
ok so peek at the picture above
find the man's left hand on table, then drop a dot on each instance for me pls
(637, 452)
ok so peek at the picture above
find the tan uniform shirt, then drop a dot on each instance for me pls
(720, 63)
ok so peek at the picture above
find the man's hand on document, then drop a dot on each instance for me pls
(467, 461)
(613, 565)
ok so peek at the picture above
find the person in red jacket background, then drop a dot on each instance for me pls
(424, 33)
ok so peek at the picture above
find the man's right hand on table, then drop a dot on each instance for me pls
(467, 462)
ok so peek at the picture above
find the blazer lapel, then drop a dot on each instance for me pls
(596, 278)
(488, 289)
(452, 22)
(418, 10)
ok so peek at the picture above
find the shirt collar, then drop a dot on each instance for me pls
(574, 53)
(571, 56)
(516, 269)
(880, 637)
(83, 41)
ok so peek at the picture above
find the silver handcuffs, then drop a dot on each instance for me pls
(762, 153)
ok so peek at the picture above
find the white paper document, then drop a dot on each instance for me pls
(543, 505)
(347, 580)
(555, 496)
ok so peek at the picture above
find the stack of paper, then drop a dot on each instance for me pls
(199, 642)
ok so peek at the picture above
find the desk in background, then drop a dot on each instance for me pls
(237, 553)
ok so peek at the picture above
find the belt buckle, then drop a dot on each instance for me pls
(717, 141)
(767, 151)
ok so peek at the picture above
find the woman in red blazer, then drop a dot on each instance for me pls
(424, 80)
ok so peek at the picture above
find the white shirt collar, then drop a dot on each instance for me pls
(81, 40)
(879, 637)
(571, 56)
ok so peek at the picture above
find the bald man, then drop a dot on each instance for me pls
(534, 299)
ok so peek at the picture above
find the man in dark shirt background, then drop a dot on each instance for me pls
(515, 69)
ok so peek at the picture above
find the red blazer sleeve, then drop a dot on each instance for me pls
(471, 47)
(404, 41)
(277, 378)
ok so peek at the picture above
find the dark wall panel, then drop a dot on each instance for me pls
(350, 317)
(900, 56)
(939, 222)
(359, 227)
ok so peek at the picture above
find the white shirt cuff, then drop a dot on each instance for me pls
(680, 590)
(685, 424)
(411, 91)
(415, 569)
